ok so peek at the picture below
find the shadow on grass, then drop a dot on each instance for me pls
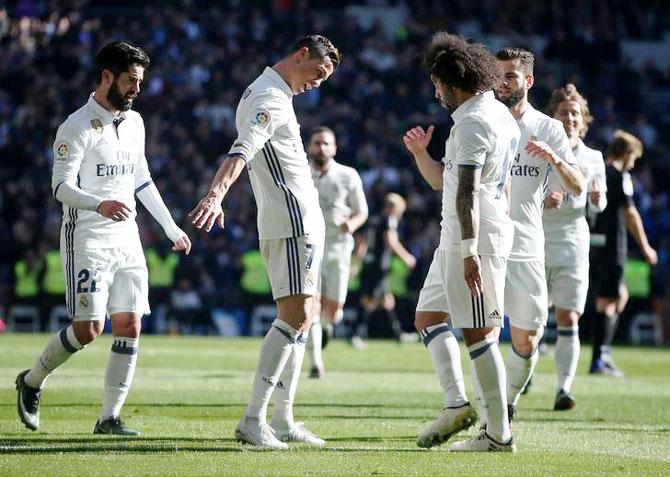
(237, 405)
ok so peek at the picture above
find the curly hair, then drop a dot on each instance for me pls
(456, 62)
(569, 93)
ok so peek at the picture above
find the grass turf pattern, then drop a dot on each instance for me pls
(189, 394)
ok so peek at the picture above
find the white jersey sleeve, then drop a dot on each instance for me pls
(142, 174)
(261, 119)
(473, 144)
(68, 149)
(356, 197)
(597, 175)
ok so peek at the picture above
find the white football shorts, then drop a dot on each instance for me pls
(526, 295)
(336, 267)
(568, 286)
(105, 281)
(293, 264)
(445, 290)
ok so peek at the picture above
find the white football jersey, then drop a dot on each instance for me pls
(105, 160)
(340, 195)
(268, 138)
(484, 135)
(529, 182)
(566, 231)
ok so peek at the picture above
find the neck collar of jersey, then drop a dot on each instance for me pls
(106, 116)
(278, 80)
(466, 105)
(578, 147)
(528, 115)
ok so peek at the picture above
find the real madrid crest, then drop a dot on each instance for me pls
(83, 302)
(97, 125)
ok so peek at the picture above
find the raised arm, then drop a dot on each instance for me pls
(416, 141)
(570, 176)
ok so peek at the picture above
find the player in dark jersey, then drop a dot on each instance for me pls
(610, 247)
(381, 244)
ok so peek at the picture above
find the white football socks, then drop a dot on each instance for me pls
(567, 356)
(119, 375)
(275, 352)
(60, 347)
(282, 418)
(490, 373)
(446, 357)
(314, 344)
(519, 370)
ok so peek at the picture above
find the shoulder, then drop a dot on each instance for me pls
(347, 171)
(77, 124)
(549, 126)
(135, 118)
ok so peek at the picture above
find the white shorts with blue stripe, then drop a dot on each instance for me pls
(293, 264)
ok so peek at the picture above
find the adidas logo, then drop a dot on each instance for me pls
(495, 315)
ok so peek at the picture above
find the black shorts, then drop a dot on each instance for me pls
(608, 278)
(373, 283)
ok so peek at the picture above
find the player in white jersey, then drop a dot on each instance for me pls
(99, 166)
(567, 236)
(544, 150)
(465, 283)
(290, 227)
(345, 209)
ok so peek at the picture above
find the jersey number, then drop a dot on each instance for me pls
(83, 276)
(504, 174)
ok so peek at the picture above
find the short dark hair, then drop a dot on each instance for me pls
(569, 92)
(525, 57)
(319, 47)
(322, 129)
(624, 143)
(465, 65)
(118, 57)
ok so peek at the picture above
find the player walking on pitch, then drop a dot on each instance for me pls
(544, 150)
(464, 287)
(342, 201)
(567, 236)
(290, 227)
(99, 167)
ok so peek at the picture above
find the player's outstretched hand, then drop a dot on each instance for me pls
(206, 213)
(416, 139)
(541, 150)
(114, 209)
(184, 243)
(554, 200)
(472, 268)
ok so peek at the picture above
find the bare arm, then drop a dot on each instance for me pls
(636, 229)
(467, 201)
(393, 242)
(571, 177)
(416, 141)
(467, 208)
(209, 208)
(353, 223)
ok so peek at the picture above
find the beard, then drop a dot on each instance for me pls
(513, 99)
(320, 160)
(117, 100)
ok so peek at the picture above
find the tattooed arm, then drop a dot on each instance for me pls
(467, 207)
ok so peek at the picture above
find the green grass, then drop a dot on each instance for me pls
(189, 394)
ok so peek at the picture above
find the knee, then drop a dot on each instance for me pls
(128, 329)
(87, 331)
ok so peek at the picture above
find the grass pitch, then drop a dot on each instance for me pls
(189, 394)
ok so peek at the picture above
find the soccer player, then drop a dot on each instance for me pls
(290, 227)
(381, 242)
(345, 209)
(544, 151)
(464, 287)
(610, 256)
(99, 167)
(567, 236)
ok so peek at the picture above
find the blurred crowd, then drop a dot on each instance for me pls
(203, 55)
